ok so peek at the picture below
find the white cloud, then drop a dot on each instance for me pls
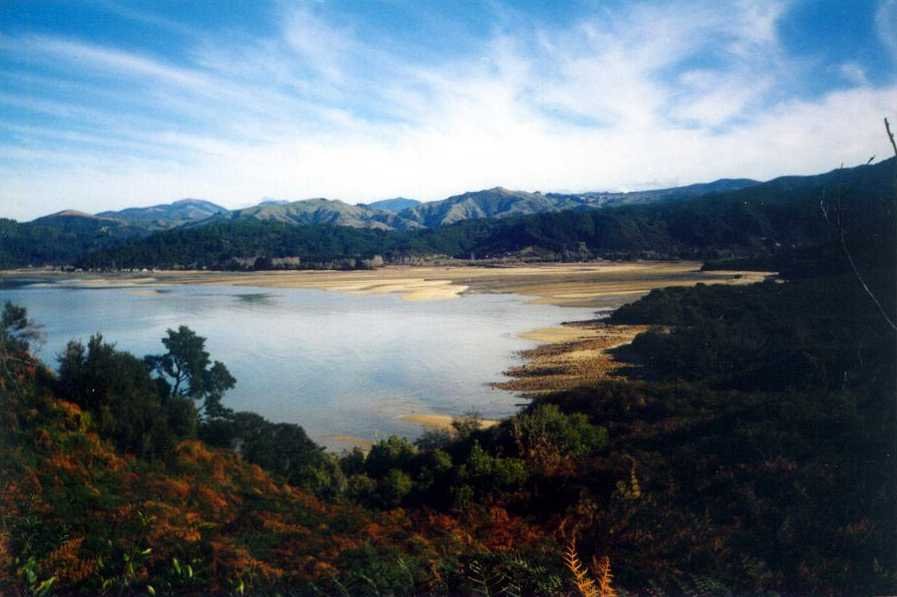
(854, 74)
(674, 94)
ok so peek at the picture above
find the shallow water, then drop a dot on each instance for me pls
(337, 364)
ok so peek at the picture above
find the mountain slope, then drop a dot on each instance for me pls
(763, 220)
(75, 218)
(491, 203)
(167, 215)
(394, 205)
(759, 220)
(503, 203)
(781, 214)
(616, 199)
(323, 211)
(60, 238)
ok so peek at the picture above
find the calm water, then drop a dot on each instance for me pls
(337, 364)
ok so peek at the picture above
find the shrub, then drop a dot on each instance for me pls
(546, 435)
(393, 488)
(391, 453)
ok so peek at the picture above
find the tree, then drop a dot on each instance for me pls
(17, 332)
(394, 487)
(190, 373)
(127, 404)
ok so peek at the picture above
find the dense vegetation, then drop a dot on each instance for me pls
(57, 241)
(766, 220)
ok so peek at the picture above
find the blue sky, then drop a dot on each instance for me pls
(112, 103)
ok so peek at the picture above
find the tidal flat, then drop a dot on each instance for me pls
(356, 356)
(590, 285)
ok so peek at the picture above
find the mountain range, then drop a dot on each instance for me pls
(724, 218)
(390, 214)
(161, 217)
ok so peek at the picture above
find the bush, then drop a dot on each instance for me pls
(129, 406)
(393, 488)
(391, 453)
(546, 435)
(487, 473)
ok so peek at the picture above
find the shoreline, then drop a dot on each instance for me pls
(564, 356)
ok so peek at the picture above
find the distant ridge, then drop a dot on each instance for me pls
(497, 202)
(617, 198)
(167, 215)
(69, 218)
(319, 211)
(696, 222)
(394, 205)
(400, 213)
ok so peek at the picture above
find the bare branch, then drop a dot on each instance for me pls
(842, 238)
(890, 135)
(859, 277)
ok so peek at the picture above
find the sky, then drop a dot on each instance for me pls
(106, 104)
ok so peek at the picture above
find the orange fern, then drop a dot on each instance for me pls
(601, 570)
(584, 583)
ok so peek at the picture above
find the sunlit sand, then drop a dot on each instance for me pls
(574, 285)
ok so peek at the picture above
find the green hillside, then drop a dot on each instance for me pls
(769, 220)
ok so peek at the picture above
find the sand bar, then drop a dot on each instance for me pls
(443, 422)
(596, 284)
(572, 355)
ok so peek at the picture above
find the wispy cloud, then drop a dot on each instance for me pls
(146, 18)
(317, 106)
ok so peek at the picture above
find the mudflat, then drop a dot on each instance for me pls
(572, 355)
(598, 285)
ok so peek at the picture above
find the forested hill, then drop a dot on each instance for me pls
(58, 239)
(763, 220)
(767, 219)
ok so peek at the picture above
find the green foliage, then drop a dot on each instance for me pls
(434, 439)
(29, 573)
(807, 333)
(190, 373)
(17, 333)
(283, 449)
(393, 487)
(127, 404)
(392, 453)
(362, 488)
(485, 472)
(373, 571)
(352, 462)
(510, 573)
(767, 429)
(545, 434)
(60, 240)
